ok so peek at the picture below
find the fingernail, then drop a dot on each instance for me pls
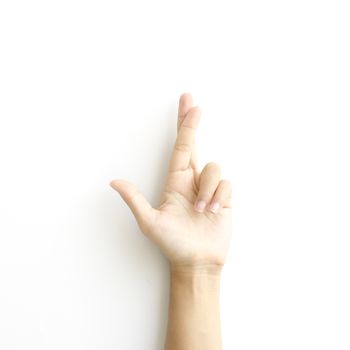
(200, 206)
(214, 207)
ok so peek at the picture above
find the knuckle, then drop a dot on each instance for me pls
(226, 184)
(182, 147)
(227, 189)
(205, 193)
(212, 166)
(190, 128)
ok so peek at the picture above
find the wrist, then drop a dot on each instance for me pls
(210, 270)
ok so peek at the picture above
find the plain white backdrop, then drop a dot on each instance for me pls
(89, 92)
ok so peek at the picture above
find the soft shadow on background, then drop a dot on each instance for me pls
(138, 262)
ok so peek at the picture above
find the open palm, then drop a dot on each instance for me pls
(192, 225)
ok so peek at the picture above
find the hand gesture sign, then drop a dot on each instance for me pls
(192, 225)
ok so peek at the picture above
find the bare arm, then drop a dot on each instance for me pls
(192, 226)
(194, 310)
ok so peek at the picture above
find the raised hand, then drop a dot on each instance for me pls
(192, 225)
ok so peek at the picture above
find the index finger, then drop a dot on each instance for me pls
(184, 144)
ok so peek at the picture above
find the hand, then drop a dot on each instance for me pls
(192, 225)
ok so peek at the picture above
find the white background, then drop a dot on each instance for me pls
(89, 92)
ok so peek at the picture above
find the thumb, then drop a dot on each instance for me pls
(138, 204)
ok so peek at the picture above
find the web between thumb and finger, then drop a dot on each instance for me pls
(142, 210)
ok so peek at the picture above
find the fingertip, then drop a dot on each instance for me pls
(185, 96)
(114, 184)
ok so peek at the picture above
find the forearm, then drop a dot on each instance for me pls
(194, 309)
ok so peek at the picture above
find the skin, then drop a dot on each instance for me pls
(192, 226)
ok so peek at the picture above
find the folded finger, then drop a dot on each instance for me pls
(208, 182)
(222, 196)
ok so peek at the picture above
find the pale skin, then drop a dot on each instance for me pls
(192, 227)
